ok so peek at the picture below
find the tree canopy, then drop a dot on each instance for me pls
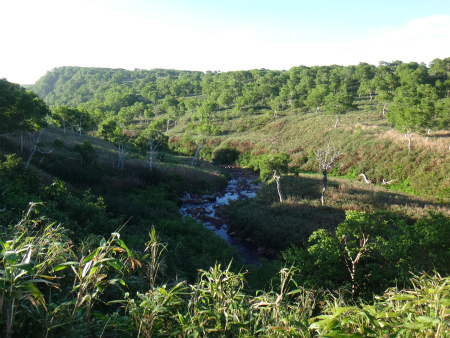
(20, 110)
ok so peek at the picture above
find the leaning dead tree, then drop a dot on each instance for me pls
(327, 159)
(365, 178)
(387, 182)
(384, 182)
(199, 147)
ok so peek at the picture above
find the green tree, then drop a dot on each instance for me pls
(367, 87)
(272, 165)
(327, 159)
(338, 104)
(316, 97)
(364, 72)
(412, 74)
(440, 67)
(87, 152)
(412, 109)
(226, 98)
(108, 128)
(20, 110)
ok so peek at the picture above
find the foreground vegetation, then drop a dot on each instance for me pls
(52, 289)
(75, 209)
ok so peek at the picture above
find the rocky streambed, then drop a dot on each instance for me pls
(209, 210)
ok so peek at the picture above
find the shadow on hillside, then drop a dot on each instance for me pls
(304, 193)
(380, 198)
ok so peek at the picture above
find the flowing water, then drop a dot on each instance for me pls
(207, 209)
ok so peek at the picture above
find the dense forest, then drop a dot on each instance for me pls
(351, 219)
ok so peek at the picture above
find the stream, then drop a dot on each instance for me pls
(208, 209)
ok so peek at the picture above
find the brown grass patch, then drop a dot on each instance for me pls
(437, 141)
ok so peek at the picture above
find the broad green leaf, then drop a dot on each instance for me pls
(426, 319)
(94, 268)
(115, 264)
(25, 266)
(10, 256)
(91, 256)
(4, 246)
(163, 291)
(123, 246)
(62, 266)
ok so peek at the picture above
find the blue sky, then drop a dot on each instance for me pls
(216, 35)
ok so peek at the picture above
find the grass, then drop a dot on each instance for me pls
(369, 145)
(276, 225)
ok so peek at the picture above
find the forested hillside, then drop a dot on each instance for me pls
(352, 218)
(296, 111)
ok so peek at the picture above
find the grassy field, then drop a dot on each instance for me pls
(369, 145)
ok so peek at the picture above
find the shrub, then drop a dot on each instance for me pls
(226, 155)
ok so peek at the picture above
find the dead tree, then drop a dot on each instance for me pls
(365, 178)
(338, 117)
(121, 156)
(327, 159)
(153, 146)
(33, 143)
(199, 147)
(408, 135)
(387, 182)
(277, 180)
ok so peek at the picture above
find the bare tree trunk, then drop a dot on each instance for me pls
(33, 146)
(153, 147)
(324, 188)
(121, 156)
(351, 266)
(409, 134)
(337, 120)
(199, 147)
(277, 179)
(327, 161)
(365, 178)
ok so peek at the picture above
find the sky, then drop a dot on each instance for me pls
(216, 35)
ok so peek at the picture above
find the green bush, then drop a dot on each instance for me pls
(226, 155)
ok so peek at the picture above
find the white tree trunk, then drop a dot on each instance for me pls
(409, 139)
(153, 147)
(33, 146)
(121, 156)
(337, 120)
(277, 179)
(324, 188)
(199, 147)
